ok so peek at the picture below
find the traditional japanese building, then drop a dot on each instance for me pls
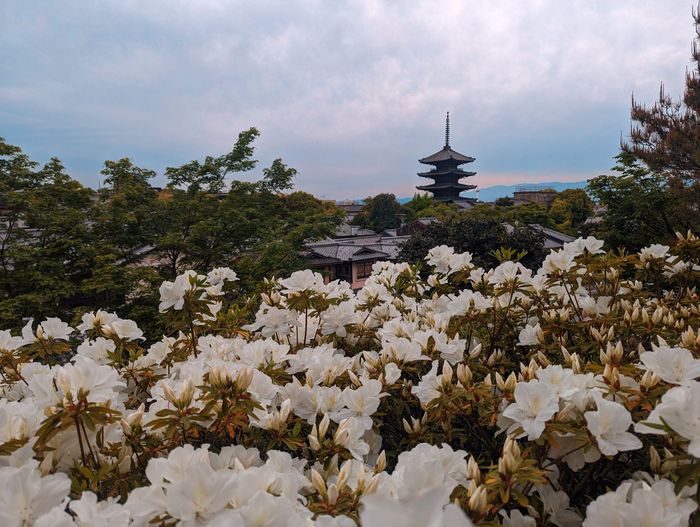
(446, 174)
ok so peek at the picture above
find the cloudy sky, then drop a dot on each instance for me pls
(351, 93)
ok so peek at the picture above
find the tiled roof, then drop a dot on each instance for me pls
(436, 186)
(368, 248)
(446, 154)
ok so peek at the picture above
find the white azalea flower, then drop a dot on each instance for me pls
(679, 409)
(106, 513)
(101, 383)
(655, 251)
(531, 336)
(306, 280)
(26, 495)
(673, 365)
(515, 518)
(609, 424)
(97, 349)
(8, 342)
(221, 274)
(362, 402)
(124, 329)
(200, 495)
(96, 320)
(535, 404)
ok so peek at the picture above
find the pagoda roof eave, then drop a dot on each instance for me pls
(433, 173)
(444, 186)
(446, 154)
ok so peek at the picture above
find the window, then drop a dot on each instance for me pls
(364, 269)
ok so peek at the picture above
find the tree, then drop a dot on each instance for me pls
(253, 227)
(639, 209)
(209, 176)
(478, 235)
(666, 137)
(524, 214)
(45, 245)
(66, 248)
(570, 209)
(505, 201)
(125, 216)
(425, 206)
(379, 213)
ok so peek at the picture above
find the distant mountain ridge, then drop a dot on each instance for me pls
(501, 191)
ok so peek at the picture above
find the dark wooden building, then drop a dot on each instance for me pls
(446, 172)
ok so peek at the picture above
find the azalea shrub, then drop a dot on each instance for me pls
(436, 395)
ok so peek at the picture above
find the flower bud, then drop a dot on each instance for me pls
(125, 427)
(317, 481)
(169, 394)
(464, 374)
(354, 379)
(187, 392)
(649, 380)
(343, 475)
(473, 471)
(565, 353)
(475, 351)
(478, 501)
(654, 460)
(332, 494)
(511, 382)
(507, 464)
(219, 376)
(373, 484)
(244, 378)
(323, 427)
(313, 442)
(575, 363)
(380, 465)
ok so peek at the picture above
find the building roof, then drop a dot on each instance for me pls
(355, 249)
(466, 203)
(552, 239)
(346, 230)
(447, 172)
(438, 186)
(350, 207)
(446, 154)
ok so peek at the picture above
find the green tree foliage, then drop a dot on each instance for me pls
(424, 206)
(479, 235)
(525, 214)
(66, 248)
(568, 212)
(640, 209)
(570, 209)
(666, 138)
(504, 202)
(379, 213)
(44, 238)
(253, 227)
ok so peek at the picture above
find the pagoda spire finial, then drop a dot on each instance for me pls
(447, 130)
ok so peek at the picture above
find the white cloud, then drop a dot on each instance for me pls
(351, 93)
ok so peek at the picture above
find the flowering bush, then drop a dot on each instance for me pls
(442, 396)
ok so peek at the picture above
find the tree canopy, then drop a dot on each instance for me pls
(379, 213)
(666, 138)
(479, 235)
(65, 247)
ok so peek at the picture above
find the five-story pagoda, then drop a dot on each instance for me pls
(446, 174)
